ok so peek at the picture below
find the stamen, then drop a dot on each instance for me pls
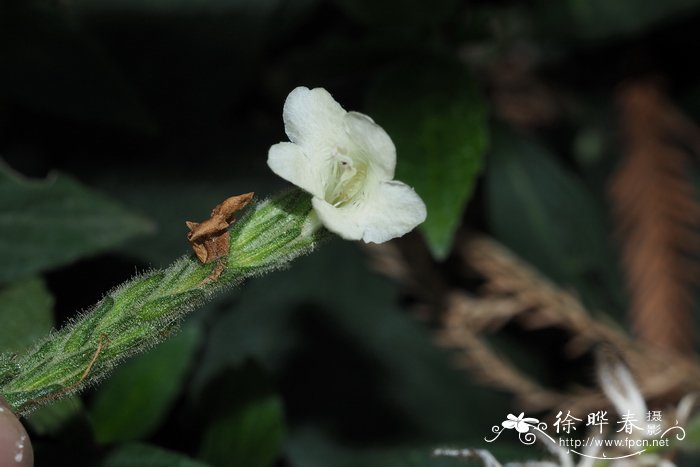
(347, 177)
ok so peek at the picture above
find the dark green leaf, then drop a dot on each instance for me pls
(26, 314)
(133, 402)
(252, 436)
(44, 224)
(143, 455)
(436, 117)
(246, 425)
(49, 419)
(549, 218)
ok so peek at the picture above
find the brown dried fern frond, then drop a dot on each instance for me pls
(656, 214)
(543, 304)
(459, 319)
(464, 320)
(513, 292)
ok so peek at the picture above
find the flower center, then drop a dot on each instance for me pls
(346, 180)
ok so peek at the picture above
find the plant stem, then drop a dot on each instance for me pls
(147, 309)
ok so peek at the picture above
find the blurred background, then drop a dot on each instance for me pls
(554, 143)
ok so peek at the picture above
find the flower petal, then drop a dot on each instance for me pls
(291, 163)
(508, 424)
(394, 210)
(391, 211)
(373, 142)
(314, 120)
(344, 221)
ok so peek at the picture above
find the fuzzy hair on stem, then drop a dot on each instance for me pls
(147, 309)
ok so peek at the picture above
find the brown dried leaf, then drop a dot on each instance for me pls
(209, 239)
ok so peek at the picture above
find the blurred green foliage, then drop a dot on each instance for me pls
(137, 396)
(51, 223)
(147, 456)
(565, 236)
(246, 419)
(26, 314)
(134, 116)
(434, 113)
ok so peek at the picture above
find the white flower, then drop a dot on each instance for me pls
(347, 162)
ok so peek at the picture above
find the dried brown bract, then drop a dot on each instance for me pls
(209, 239)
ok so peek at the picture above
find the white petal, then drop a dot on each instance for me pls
(391, 211)
(344, 221)
(291, 163)
(394, 210)
(314, 120)
(373, 142)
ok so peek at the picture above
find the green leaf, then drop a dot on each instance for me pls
(144, 455)
(549, 218)
(49, 419)
(45, 224)
(600, 19)
(251, 437)
(25, 313)
(249, 426)
(436, 117)
(136, 398)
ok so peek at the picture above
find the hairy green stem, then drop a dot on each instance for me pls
(147, 309)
